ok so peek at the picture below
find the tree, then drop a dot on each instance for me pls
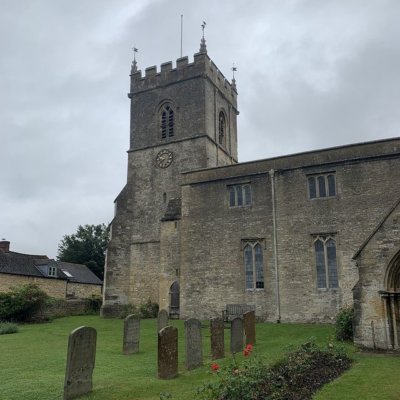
(86, 246)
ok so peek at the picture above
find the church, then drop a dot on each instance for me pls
(297, 237)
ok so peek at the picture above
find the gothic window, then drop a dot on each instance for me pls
(253, 266)
(222, 129)
(239, 195)
(325, 260)
(320, 186)
(167, 121)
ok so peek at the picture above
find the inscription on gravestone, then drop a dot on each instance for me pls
(217, 338)
(193, 344)
(131, 334)
(168, 353)
(80, 362)
(250, 327)
(162, 320)
(236, 335)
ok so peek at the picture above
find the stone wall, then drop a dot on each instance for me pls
(381, 252)
(212, 233)
(82, 290)
(53, 287)
(56, 288)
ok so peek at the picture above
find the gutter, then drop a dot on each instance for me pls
(274, 234)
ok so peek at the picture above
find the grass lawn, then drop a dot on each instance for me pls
(32, 363)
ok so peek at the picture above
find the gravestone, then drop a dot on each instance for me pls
(131, 334)
(81, 357)
(236, 335)
(162, 320)
(168, 353)
(250, 327)
(193, 344)
(217, 338)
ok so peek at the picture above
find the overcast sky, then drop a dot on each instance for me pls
(311, 74)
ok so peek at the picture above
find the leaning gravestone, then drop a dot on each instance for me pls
(250, 327)
(168, 352)
(131, 334)
(217, 338)
(81, 356)
(162, 320)
(193, 343)
(236, 335)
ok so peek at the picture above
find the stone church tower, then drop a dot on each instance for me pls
(182, 119)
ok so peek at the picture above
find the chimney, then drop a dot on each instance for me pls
(4, 246)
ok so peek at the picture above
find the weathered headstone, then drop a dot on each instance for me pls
(131, 334)
(217, 338)
(168, 352)
(162, 320)
(193, 344)
(236, 335)
(81, 357)
(249, 319)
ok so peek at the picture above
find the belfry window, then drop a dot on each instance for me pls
(167, 121)
(325, 260)
(239, 195)
(222, 129)
(253, 266)
(322, 186)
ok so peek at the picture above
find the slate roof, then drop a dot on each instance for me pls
(21, 264)
(28, 265)
(80, 273)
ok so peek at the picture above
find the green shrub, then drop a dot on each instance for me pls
(148, 310)
(22, 303)
(344, 324)
(300, 374)
(127, 309)
(94, 304)
(7, 328)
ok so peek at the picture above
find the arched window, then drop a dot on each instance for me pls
(167, 121)
(222, 129)
(253, 266)
(325, 260)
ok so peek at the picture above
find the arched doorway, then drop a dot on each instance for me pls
(174, 300)
(391, 301)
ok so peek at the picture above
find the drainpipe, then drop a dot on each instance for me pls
(274, 234)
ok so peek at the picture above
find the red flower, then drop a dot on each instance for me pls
(247, 350)
(215, 367)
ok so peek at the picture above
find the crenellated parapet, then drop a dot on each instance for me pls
(202, 66)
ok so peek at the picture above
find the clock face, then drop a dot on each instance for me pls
(164, 158)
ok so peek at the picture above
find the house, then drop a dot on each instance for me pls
(57, 278)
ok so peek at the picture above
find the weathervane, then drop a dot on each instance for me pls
(134, 63)
(203, 47)
(203, 26)
(234, 69)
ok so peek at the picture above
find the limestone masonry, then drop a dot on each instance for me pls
(295, 236)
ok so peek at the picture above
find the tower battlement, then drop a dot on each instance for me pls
(201, 66)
